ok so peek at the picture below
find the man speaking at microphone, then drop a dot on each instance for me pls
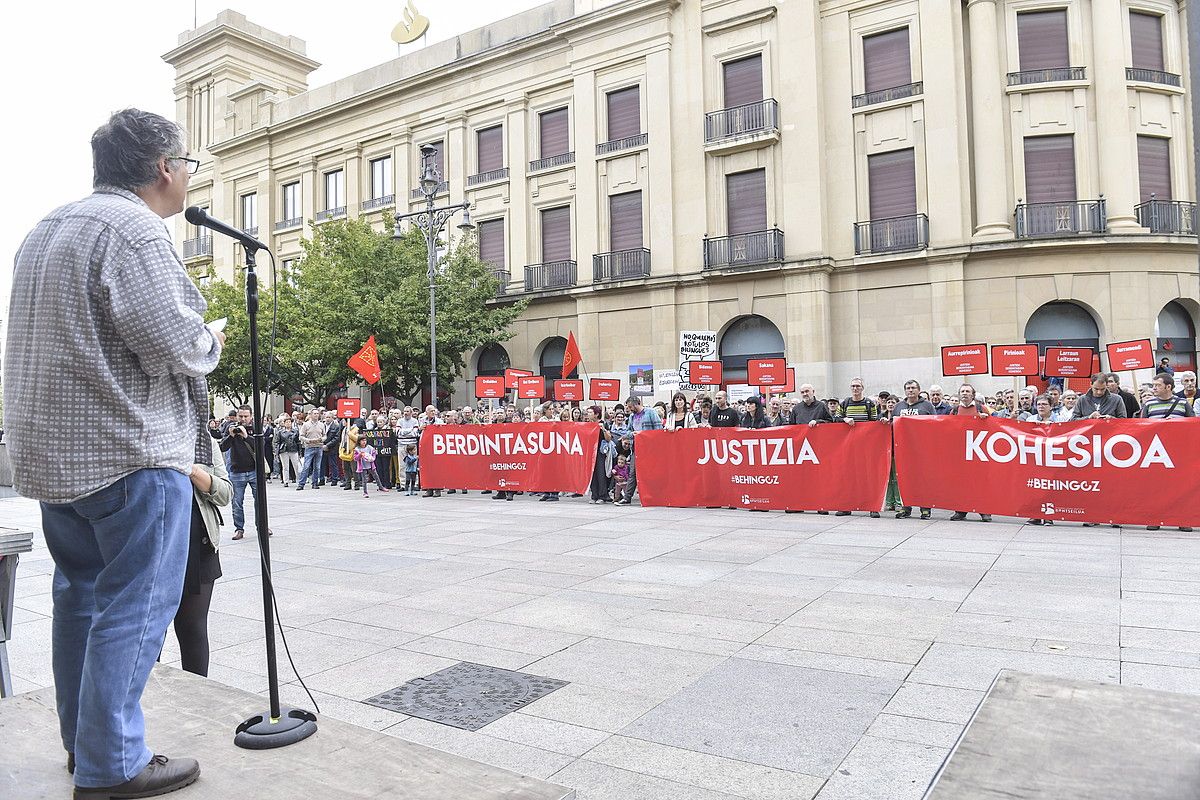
(105, 324)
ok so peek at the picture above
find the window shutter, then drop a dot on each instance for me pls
(491, 243)
(556, 234)
(1042, 39)
(490, 143)
(624, 113)
(625, 221)
(746, 201)
(886, 60)
(555, 137)
(1154, 167)
(1145, 38)
(1049, 169)
(892, 184)
(743, 81)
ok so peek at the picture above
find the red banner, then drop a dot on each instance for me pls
(531, 387)
(828, 467)
(1068, 362)
(704, 373)
(1015, 360)
(524, 457)
(511, 375)
(765, 371)
(568, 390)
(965, 359)
(489, 387)
(1140, 472)
(349, 408)
(1123, 356)
(604, 389)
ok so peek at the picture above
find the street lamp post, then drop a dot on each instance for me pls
(431, 221)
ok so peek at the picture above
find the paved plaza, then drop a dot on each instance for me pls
(710, 654)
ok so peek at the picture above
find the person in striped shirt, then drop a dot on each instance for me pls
(858, 408)
(1165, 405)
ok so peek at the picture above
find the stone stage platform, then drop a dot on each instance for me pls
(191, 716)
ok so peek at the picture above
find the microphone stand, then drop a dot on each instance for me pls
(279, 726)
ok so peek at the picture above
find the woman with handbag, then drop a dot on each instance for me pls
(602, 470)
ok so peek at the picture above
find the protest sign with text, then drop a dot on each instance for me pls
(522, 456)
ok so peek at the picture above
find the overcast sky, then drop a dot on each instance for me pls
(69, 65)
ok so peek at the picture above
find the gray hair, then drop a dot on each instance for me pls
(126, 149)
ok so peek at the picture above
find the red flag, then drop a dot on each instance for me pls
(571, 356)
(366, 362)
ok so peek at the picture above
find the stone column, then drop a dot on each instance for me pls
(991, 173)
(1114, 133)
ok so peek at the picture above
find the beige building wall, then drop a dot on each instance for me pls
(840, 311)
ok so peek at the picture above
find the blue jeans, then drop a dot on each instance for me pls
(335, 467)
(312, 466)
(119, 558)
(240, 481)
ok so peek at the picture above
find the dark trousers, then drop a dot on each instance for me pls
(600, 481)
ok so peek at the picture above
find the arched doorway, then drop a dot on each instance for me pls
(748, 337)
(493, 360)
(1062, 324)
(1175, 337)
(550, 362)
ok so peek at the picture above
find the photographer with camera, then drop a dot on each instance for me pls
(238, 445)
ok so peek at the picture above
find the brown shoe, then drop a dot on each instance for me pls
(238, 534)
(161, 775)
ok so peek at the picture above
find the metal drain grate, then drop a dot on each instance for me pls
(466, 696)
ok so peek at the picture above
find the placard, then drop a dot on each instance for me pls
(1015, 360)
(349, 408)
(766, 372)
(531, 387)
(641, 379)
(568, 390)
(489, 387)
(1068, 362)
(695, 346)
(604, 389)
(965, 359)
(511, 375)
(1125, 356)
(704, 373)
(786, 387)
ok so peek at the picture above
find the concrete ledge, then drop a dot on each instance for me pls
(6, 472)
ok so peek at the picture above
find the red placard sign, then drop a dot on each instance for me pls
(489, 387)
(511, 375)
(1068, 362)
(1138, 354)
(704, 373)
(766, 372)
(569, 390)
(605, 389)
(788, 385)
(531, 387)
(1015, 360)
(349, 408)
(965, 359)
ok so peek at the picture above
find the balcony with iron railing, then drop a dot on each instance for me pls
(1051, 75)
(621, 265)
(1167, 216)
(1061, 219)
(1142, 75)
(887, 95)
(750, 125)
(290, 222)
(376, 203)
(551, 275)
(504, 277)
(330, 213)
(628, 143)
(552, 162)
(891, 235)
(744, 249)
(488, 177)
(442, 188)
(200, 247)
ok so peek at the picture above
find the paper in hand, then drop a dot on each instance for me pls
(218, 325)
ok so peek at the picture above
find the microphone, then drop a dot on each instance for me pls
(200, 218)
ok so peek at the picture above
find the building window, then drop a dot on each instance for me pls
(490, 146)
(198, 230)
(335, 189)
(201, 123)
(493, 360)
(249, 210)
(624, 113)
(746, 201)
(748, 337)
(381, 177)
(892, 184)
(491, 243)
(1042, 40)
(886, 61)
(1146, 42)
(291, 200)
(554, 133)
(625, 221)
(556, 234)
(743, 81)
(1154, 168)
(1049, 169)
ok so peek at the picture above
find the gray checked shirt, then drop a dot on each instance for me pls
(105, 333)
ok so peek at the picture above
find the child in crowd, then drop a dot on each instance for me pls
(620, 476)
(411, 466)
(364, 464)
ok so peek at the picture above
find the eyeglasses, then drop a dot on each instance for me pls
(192, 164)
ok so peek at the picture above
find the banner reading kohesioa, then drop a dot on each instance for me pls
(518, 457)
(1135, 471)
(827, 467)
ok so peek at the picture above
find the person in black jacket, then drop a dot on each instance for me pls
(724, 415)
(809, 411)
(755, 417)
(238, 446)
(333, 437)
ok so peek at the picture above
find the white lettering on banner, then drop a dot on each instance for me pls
(756, 480)
(507, 444)
(1014, 352)
(1121, 451)
(1132, 349)
(972, 352)
(758, 452)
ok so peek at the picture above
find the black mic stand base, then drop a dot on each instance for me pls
(261, 732)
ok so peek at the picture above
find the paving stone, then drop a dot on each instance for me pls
(480, 747)
(939, 703)
(884, 769)
(1157, 676)
(826, 661)
(858, 645)
(593, 781)
(535, 731)
(976, 667)
(915, 730)
(592, 707)
(644, 669)
(876, 614)
(518, 638)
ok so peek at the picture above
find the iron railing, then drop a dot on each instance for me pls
(442, 188)
(487, 177)
(1167, 216)
(743, 249)
(1151, 76)
(639, 140)
(1028, 76)
(504, 277)
(891, 234)
(550, 162)
(1068, 218)
(621, 265)
(551, 275)
(747, 120)
(884, 95)
(200, 246)
(330, 213)
(379, 202)
(293, 222)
